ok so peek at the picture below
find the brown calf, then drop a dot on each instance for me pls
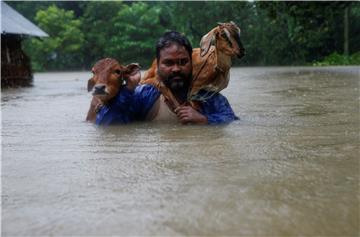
(108, 76)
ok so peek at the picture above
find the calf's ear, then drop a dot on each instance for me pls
(91, 84)
(132, 67)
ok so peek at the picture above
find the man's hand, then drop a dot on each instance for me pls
(188, 114)
(133, 80)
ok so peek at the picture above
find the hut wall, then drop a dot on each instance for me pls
(15, 65)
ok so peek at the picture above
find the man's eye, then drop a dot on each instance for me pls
(180, 62)
(168, 63)
(183, 62)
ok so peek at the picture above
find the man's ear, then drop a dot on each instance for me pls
(131, 68)
(91, 84)
(206, 41)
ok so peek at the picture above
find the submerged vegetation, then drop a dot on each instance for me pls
(273, 33)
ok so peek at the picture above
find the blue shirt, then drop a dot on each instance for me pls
(128, 106)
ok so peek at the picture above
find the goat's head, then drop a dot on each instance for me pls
(226, 38)
(108, 76)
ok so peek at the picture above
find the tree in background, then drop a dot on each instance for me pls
(313, 29)
(98, 29)
(273, 33)
(63, 49)
(137, 27)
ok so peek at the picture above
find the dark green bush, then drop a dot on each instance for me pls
(339, 59)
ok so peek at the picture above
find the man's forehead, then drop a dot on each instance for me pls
(174, 49)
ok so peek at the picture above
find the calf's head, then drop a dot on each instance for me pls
(108, 77)
(226, 38)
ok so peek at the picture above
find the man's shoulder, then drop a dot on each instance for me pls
(146, 93)
(146, 88)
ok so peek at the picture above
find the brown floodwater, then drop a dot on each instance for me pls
(289, 166)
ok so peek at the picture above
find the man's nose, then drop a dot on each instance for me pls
(176, 68)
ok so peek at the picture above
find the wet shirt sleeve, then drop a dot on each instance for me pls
(144, 98)
(218, 110)
(128, 106)
(117, 111)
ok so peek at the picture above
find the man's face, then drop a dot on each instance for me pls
(175, 67)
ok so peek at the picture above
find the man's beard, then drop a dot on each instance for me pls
(177, 82)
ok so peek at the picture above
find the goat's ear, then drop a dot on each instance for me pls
(91, 84)
(132, 67)
(205, 43)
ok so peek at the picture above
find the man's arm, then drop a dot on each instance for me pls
(119, 109)
(129, 105)
(116, 112)
(217, 110)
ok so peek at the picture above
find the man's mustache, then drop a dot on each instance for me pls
(174, 75)
(181, 81)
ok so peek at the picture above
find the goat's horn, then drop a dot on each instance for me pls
(232, 22)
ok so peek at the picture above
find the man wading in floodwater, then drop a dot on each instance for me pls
(148, 102)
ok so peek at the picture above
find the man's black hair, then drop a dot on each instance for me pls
(171, 37)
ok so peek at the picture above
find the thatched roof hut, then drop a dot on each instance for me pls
(15, 65)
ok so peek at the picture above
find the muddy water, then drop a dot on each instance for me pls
(289, 167)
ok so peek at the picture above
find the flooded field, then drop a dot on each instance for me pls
(288, 167)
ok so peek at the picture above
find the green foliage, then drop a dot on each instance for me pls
(62, 50)
(309, 29)
(137, 28)
(273, 33)
(98, 29)
(336, 59)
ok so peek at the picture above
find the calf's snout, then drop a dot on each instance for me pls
(99, 89)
